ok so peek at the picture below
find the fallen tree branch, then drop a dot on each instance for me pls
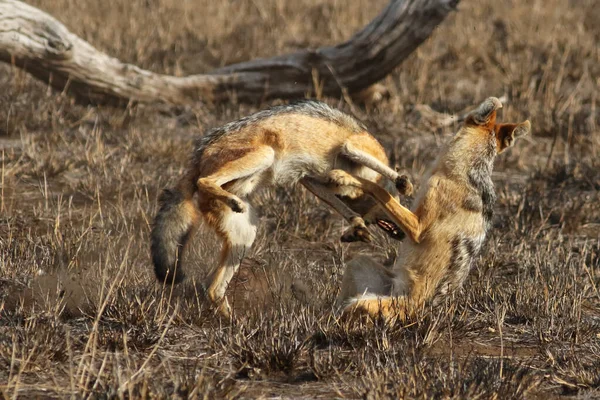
(36, 42)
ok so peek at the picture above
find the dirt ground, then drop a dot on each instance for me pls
(82, 316)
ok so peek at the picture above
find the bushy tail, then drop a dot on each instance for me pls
(175, 221)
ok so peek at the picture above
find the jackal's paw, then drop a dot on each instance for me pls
(342, 178)
(236, 205)
(404, 185)
(358, 232)
(223, 309)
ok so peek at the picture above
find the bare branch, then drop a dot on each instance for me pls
(36, 42)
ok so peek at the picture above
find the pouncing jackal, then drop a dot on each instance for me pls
(446, 226)
(300, 142)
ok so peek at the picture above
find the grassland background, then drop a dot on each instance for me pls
(81, 314)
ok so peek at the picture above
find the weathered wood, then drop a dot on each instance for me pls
(366, 58)
(36, 42)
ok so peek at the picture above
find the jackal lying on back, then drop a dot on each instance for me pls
(283, 145)
(446, 228)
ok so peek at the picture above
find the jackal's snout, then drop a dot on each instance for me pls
(486, 112)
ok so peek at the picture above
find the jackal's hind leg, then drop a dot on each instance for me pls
(358, 230)
(253, 162)
(238, 231)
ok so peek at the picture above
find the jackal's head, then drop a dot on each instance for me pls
(373, 213)
(483, 121)
(378, 215)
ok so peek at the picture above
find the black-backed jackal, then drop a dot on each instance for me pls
(446, 227)
(283, 145)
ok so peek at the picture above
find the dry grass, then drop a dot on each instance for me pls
(81, 315)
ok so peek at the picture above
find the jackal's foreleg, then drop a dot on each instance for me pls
(253, 162)
(358, 230)
(355, 149)
(403, 217)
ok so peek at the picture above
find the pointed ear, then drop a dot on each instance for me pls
(507, 133)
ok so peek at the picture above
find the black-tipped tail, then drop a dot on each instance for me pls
(172, 227)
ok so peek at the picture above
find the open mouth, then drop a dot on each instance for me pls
(390, 228)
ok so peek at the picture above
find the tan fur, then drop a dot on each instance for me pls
(446, 226)
(280, 146)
